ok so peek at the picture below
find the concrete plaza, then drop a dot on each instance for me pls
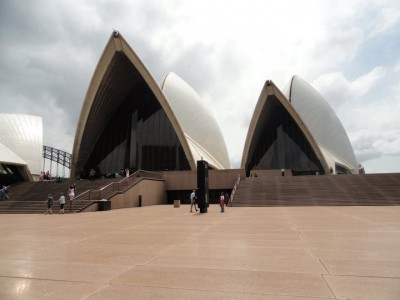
(162, 252)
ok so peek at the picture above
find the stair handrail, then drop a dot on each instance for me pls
(115, 186)
(236, 185)
(78, 199)
(127, 181)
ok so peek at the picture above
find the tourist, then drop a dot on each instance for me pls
(49, 202)
(62, 203)
(193, 199)
(4, 193)
(92, 173)
(71, 192)
(222, 201)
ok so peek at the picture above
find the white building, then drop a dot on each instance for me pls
(21, 146)
(296, 130)
(128, 121)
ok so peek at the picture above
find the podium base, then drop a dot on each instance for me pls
(203, 210)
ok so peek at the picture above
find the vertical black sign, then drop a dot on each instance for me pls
(202, 184)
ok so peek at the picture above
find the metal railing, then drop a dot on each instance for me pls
(113, 188)
(236, 185)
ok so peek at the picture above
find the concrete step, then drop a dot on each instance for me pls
(366, 189)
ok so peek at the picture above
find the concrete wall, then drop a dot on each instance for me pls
(224, 179)
(187, 180)
(91, 208)
(180, 180)
(152, 192)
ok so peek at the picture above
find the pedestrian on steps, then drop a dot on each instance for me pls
(62, 203)
(50, 201)
(4, 193)
(71, 192)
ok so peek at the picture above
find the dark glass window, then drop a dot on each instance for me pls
(283, 145)
(140, 136)
(341, 170)
(10, 174)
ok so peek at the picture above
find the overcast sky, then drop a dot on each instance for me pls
(348, 50)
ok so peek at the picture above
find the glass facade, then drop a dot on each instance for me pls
(281, 144)
(139, 135)
(341, 170)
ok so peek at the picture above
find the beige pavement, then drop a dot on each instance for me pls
(162, 252)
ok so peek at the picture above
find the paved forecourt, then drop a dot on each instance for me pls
(162, 252)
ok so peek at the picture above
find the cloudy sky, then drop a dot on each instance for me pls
(348, 50)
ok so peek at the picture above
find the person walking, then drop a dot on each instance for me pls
(193, 199)
(71, 192)
(71, 195)
(62, 203)
(222, 201)
(49, 201)
(4, 193)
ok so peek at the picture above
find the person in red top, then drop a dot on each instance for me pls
(222, 201)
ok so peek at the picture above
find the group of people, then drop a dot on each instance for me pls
(61, 200)
(92, 174)
(45, 176)
(125, 172)
(223, 199)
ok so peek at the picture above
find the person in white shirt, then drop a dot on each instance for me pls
(193, 199)
(62, 203)
(71, 192)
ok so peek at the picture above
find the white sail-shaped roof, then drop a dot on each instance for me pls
(322, 122)
(197, 122)
(263, 111)
(118, 72)
(21, 139)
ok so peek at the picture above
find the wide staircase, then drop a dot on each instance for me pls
(329, 190)
(31, 197)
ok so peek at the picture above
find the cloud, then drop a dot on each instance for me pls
(369, 145)
(367, 106)
(342, 92)
(384, 18)
(224, 50)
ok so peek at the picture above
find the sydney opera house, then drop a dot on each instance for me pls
(129, 121)
(297, 130)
